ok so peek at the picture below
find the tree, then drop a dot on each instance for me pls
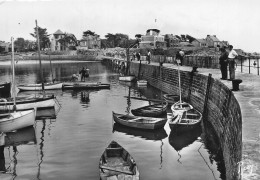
(190, 38)
(43, 37)
(117, 40)
(88, 32)
(19, 43)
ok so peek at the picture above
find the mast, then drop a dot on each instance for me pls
(178, 61)
(13, 75)
(39, 53)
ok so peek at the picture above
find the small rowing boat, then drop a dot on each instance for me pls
(117, 164)
(185, 120)
(126, 78)
(38, 87)
(154, 110)
(139, 122)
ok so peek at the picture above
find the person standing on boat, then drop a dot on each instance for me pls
(231, 62)
(223, 61)
(149, 57)
(83, 73)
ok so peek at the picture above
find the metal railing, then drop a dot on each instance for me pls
(249, 65)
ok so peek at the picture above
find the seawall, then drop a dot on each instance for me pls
(212, 98)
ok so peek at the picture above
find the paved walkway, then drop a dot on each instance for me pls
(249, 99)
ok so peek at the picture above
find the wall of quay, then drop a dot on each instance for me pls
(212, 98)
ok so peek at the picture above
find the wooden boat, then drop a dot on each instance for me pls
(85, 85)
(154, 135)
(117, 164)
(139, 122)
(154, 110)
(179, 107)
(126, 78)
(141, 83)
(5, 89)
(16, 120)
(185, 120)
(171, 98)
(38, 87)
(23, 103)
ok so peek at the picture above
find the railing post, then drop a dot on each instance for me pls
(249, 65)
(241, 65)
(258, 66)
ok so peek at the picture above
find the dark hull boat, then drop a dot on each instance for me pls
(116, 164)
(139, 122)
(171, 98)
(5, 89)
(85, 85)
(154, 110)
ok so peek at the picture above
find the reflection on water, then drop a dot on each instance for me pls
(154, 135)
(70, 146)
(180, 140)
(212, 144)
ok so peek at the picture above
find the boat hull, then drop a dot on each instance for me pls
(116, 163)
(126, 78)
(29, 103)
(143, 123)
(155, 110)
(38, 87)
(5, 89)
(79, 86)
(141, 83)
(17, 120)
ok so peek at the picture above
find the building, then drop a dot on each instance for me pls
(5, 47)
(152, 40)
(171, 40)
(55, 44)
(213, 41)
(90, 42)
(199, 43)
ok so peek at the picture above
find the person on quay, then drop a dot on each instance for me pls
(223, 61)
(83, 73)
(138, 56)
(87, 72)
(149, 57)
(179, 56)
(231, 62)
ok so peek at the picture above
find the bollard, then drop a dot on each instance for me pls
(235, 84)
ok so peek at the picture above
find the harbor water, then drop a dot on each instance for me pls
(69, 146)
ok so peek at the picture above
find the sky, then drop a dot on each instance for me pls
(235, 21)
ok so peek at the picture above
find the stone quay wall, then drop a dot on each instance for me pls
(212, 98)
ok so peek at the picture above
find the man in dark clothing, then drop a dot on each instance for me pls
(179, 56)
(138, 56)
(83, 73)
(223, 61)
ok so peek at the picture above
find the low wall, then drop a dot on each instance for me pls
(213, 99)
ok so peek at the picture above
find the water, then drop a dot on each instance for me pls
(69, 147)
(247, 66)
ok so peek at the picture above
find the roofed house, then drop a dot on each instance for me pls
(90, 42)
(152, 40)
(5, 46)
(199, 43)
(212, 41)
(171, 40)
(55, 44)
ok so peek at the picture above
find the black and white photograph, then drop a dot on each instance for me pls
(129, 90)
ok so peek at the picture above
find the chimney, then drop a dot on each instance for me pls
(208, 35)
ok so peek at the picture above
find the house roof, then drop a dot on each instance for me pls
(201, 40)
(58, 32)
(214, 38)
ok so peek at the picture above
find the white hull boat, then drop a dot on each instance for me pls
(38, 87)
(126, 78)
(16, 120)
(28, 103)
